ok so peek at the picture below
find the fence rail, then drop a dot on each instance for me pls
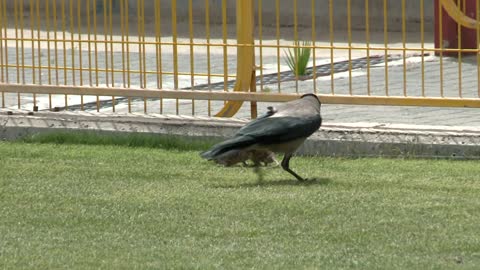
(191, 57)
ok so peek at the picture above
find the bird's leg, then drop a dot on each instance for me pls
(259, 172)
(285, 166)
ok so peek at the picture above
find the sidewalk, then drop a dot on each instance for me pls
(359, 139)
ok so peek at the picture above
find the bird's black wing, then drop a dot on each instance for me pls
(237, 142)
(272, 130)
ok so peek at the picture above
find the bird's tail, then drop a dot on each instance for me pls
(220, 148)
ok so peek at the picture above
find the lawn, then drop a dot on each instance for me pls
(77, 206)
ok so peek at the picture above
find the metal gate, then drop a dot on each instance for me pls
(219, 57)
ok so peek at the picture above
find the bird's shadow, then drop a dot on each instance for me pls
(284, 182)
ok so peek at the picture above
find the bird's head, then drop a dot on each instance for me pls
(312, 96)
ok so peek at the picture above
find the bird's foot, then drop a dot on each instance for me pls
(259, 173)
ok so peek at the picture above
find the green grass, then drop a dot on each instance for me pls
(297, 58)
(120, 139)
(67, 206)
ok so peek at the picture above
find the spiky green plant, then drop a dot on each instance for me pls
(298, 57)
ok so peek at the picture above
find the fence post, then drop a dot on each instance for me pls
(245, 55)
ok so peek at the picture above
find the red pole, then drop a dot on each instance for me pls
(469, 36)
(447, 38)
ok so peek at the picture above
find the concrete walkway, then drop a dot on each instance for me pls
(333, 138)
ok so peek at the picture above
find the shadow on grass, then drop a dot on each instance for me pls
(285, 182)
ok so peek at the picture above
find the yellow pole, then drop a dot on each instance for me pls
(245, 55)
(314, 38)
(385, 39)
(207, 37)
(175, 51)
(3, 26)
(367, 41)
(404, 41)
(422, 42)
(478, 52)
(331, 37)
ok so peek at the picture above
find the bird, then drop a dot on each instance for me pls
(282, 129)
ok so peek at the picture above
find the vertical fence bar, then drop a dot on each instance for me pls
(89, 45)
(95, 49)
(80, 50)
(422, 42)
(158, 51)
(440, 34)
(277, 37)
(31, 39)
(404, 47)
(207, 33)
(32, 35)
(140, 49)
(295, 37)
(331, 37)
(127, 40)
(113, 97)
(385, 42)
(192, 59)
(22, 46)
(72, 43)
(112, 63)
(260, 42)
(367, 41)
(3, 65)
(477, 17)
(122, 41)
(105, 34)
(17, 15)
(2, 39)
(314, 49)
(224, 47)
(7, 79)
(144, 50)
(175, 50)
(144, 56)
(112, 58)
(49, 66)
(253, 79)
(462, 5)
(349, 33)
(17, 48)
(64, 43)
(39, 48)
(122, 30)
(95, 39)
(55, 37)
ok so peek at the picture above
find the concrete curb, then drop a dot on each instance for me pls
(333, 139)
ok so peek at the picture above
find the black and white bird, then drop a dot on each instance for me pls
(281, 130)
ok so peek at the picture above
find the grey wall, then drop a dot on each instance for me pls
(413, 15)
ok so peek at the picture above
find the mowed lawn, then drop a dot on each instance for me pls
(118, 207)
